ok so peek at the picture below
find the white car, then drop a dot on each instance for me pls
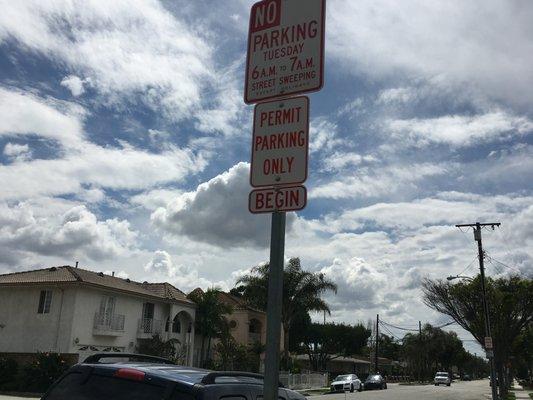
(343, 383)
(442, 378)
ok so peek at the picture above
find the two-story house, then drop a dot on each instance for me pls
(247, 324)
(73, 310)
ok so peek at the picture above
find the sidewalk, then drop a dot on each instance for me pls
(520, 392)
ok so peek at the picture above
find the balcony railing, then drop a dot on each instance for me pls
(150, 326)
(108, 323)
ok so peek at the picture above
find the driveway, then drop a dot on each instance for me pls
(474, 390)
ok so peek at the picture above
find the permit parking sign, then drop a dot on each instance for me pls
(280, 142)
(285, 49)
(277, 199)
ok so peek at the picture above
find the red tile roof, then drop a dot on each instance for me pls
(67, 274)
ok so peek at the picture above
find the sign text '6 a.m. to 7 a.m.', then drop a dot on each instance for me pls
(285, 49)
(280, 142)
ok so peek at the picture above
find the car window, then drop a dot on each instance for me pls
(342, 377)
(103, 388)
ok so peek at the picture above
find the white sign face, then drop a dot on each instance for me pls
(277, 199)
(280, 142)
(285, 49)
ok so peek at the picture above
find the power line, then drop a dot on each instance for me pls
(491, 259)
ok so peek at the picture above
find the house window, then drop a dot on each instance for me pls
(176, 325)
(44, 302)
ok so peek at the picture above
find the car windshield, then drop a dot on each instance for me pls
(373, 378)
(445, 374)
(342, 378)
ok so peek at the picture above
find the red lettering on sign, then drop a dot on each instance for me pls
(283, 199)
(265, 14)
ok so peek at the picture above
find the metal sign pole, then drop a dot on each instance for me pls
(275, 301)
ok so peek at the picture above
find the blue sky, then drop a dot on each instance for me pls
(124, 144)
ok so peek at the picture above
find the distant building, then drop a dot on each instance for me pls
(72, 310)
(247, 325)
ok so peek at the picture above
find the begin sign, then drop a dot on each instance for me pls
(277, 199)
(285, 49)
(280, 142)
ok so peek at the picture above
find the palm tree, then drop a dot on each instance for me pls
(302, 292)
(210, 322)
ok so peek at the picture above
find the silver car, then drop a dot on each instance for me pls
(442, 378)
(343, 383)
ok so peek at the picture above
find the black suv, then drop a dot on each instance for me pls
(140, 377)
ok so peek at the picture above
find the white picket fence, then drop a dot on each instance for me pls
(309, 380)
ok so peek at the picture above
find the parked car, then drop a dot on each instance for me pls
(139, 377)
(466, 377)
(442, 378)
(343, 383)
(375, 381)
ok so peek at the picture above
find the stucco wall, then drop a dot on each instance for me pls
(26, 331)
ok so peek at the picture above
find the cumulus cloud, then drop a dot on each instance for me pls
(62, 230)
(358, 282)
(217, 212)
(74, 84)
(153, 199)
(18, 152)
(183, 277)
(160, 263)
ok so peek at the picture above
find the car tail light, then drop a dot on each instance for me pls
(129, 373)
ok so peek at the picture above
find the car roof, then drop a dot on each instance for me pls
(170, 372)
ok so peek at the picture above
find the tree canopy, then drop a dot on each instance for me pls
(302, 293)
(510, 303)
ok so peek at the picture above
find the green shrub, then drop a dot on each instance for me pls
(8, 374)
(42, 372)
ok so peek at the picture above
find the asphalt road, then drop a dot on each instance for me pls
(474, 390)
(457, 391)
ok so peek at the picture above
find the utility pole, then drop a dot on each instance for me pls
(490, 352)
(420, 351)
(377, 346)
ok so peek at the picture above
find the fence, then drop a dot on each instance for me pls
(309, 380)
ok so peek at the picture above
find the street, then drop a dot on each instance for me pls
(474, 390)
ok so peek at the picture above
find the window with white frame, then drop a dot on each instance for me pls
(45, 300)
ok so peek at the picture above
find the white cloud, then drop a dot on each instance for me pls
(124, 48)
(17, 152)
(378, 181)
(74, 84)
(358, 282)
(422, 38)
(97, 166)
(62, 229)
(339, 160)
(217, 212)
(160, 263)
(27, 114)
(323, 135)
(458, 130)
(81, 162)
(153, 199)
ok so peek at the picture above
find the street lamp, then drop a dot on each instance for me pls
(451, 278)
